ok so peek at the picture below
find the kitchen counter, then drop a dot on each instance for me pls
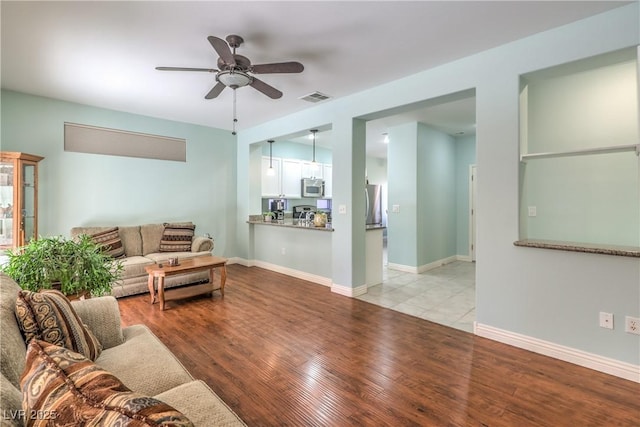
(375, 227)
(290, 223)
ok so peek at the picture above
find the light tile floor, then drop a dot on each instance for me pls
(444, 295)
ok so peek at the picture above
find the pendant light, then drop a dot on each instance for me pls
(314, 165)
(271, 171)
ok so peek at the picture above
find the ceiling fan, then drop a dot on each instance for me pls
(236, 71)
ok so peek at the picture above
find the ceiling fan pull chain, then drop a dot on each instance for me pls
(235, 120)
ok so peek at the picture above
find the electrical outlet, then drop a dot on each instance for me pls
(283, 251)
(342, 209)
(606, 320)
(395, 208)
(632, 325)
(533, 211)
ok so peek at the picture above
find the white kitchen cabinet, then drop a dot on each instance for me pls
(327, 174)
(291, 178)
(308, 172)
(271, 184)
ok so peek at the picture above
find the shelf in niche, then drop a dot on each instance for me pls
(585, 152)
(592, 248)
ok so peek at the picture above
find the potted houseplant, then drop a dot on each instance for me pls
(78, 266)
(268, 216)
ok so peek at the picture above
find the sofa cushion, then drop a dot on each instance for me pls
(10, 403)
(129, 235)
(151, 236)
(64, 384)
(12, 347)
(48, 315)
(154, 369)
(110, 241)
(177, 237)
(131, 240)
(102, 317)
(201, 405)
(134, 267)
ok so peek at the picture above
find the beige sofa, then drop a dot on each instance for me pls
(142, 248)
(133, 354)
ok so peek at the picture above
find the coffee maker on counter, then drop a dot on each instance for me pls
(277, 206)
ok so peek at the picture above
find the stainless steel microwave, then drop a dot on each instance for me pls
(312, 187)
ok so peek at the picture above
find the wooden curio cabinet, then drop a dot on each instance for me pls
(18, 198)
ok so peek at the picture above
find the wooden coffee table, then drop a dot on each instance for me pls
(207, 262)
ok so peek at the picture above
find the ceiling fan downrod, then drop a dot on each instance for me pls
(235, 119)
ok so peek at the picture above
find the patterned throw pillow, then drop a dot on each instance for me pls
(110, 241)
(49, 316)
(63, 386)
(177, 237)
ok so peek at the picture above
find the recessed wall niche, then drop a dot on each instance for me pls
(579, 146)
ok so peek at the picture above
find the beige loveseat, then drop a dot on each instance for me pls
(133, 354)
(142, 248)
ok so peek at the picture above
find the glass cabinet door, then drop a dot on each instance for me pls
(18, 199)
(7, 204)
(28, 203)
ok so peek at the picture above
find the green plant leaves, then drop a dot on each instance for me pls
(78, 265)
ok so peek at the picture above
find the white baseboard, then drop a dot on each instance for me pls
(348, 291)
(321, 280)
(465, 258)
(424, 267)
(609, 366)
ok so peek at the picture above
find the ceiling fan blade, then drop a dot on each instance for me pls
(208, 70)
(215, 91)
(268, 90)
(279, 67)
(222, 48)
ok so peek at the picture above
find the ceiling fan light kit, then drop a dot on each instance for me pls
(234, 79)
(235, 71)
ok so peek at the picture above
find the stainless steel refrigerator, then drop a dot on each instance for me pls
(374, 204)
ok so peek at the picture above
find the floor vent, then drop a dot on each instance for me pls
(315, 97)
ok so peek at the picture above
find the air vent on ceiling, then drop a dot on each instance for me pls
(315, 97)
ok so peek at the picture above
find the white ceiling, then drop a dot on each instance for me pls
(105, 53)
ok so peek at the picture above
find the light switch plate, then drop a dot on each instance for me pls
(342, 209)
(395, 208)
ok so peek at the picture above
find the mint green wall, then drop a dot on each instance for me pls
(402, 164)
(524, 291)
(78, 189)
(465, 157)
(436, 198)
(294, 150)
(422, 180)
(588, 199)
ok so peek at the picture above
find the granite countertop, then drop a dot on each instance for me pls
(287, 222)
(375, 227)
(630, 251)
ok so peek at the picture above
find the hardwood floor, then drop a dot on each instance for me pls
(285, 352)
